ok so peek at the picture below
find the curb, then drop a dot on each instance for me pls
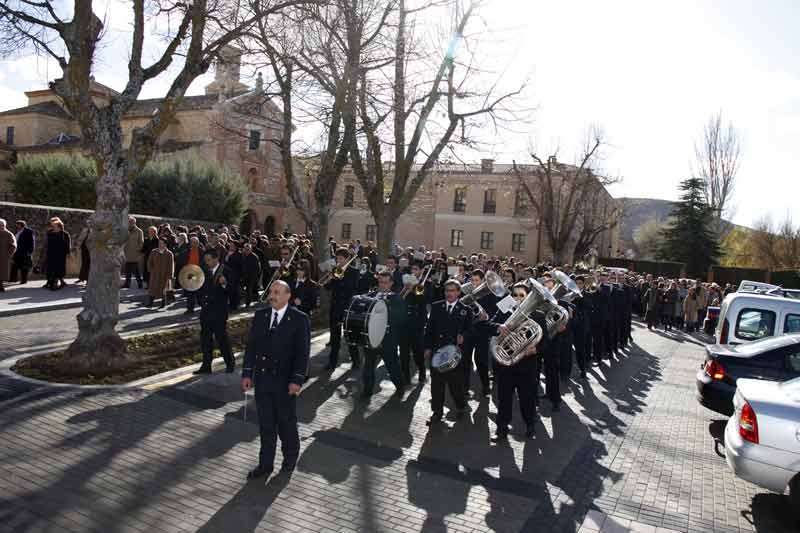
(150, 382)
(58, 307)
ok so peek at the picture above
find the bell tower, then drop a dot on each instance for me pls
(227, 70)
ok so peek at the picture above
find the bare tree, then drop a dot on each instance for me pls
(565, 198)
(407, 117)
(198, 30)
(765, 242)
(717, 160)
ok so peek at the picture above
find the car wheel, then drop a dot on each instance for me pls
(794, 494)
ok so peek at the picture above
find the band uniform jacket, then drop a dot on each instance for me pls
(443, 328)
(416, 311)
(491, 328)
(282, 354)
(308, 293)
(343, 289)
(396, 320)
(213, 297)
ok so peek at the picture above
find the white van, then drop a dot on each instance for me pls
(749, 316)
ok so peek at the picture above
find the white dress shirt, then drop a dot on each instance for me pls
(280, 313)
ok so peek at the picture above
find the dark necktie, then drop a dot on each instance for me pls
(274, 322)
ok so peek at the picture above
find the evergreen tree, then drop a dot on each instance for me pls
(689, 238)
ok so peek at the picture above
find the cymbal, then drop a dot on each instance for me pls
(191, 277)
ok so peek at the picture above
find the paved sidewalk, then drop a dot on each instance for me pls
(630, 451)
(33, 298)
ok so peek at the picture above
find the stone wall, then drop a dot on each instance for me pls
(74, 220)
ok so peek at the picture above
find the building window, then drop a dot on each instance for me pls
(487, 240)
(372, 232)
(10, 135)
(346, 230)
(489, 201)
(521, 203)
(254, 141)
(457, 238)
(349, 191)
(460, 200)
(517, 242)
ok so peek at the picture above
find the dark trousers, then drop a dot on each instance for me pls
(211, 329)
(610, 336)
(478, 347)
(277, 417)
(598, 344)
(390, 360)
(551, 376)
(191, 300)
(517, 379)
(23, 272)
(86, 263)
(250, 287)
(234, 294)
(454, 380)
(411, 344)
(565, 357)
(336, 319)
(132, 269)
(582, 341)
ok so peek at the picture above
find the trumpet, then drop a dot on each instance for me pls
(336, 272)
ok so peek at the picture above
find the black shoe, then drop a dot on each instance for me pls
(141, 285)
(230, 368)
(583, 374)
(259, 471)
(287, 468)
(486, 392)
(330, 367)
(422, 378)
(189, 312)
(433, 420)
(202, 370)
(499, 435)
(463, 411)
(556, 407)
(126, 286)
(531, 431)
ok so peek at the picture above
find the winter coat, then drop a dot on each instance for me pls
(161, 267)
(56, 253)
(670, 302)
(690, 307)
(8, 245)
(133, 246)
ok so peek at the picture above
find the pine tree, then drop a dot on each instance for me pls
(689, 238)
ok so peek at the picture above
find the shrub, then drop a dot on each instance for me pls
(184, 186)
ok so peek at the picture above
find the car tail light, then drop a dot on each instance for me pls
(723, 336)
(715, 370)
(748, 424)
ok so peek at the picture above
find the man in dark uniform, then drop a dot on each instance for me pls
(397, 274)
(342, 290)
(599, 321)
(276, 359)
(447, 324)
(251, 272)
(477, 340)
(213, 300)
(582, 328)
(388, 349)
(412, 341)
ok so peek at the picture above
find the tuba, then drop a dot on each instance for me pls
(524, 330)
(555, 316)
(492, 284)
(565, 289)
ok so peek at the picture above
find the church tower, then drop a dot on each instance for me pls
(226, 78)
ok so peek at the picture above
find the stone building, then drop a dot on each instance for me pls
(231, 124)
(464, 208)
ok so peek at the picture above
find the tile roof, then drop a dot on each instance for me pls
(43, 108)
(145, 108)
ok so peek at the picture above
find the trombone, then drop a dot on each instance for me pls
(280, 272)
(419, 290)
(336, 272)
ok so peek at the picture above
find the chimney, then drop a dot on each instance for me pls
(487, 166)
(551, 161)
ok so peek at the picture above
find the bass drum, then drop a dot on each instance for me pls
(366, 321)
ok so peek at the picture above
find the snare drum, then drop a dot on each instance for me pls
(366, 321)
(446, 358)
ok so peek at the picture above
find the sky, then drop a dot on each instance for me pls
(649, 73)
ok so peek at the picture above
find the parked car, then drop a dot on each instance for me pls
(762, 438)
(710, 322)
(772, 359)
(749, 316)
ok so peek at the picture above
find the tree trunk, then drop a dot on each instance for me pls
(319, 227)
(385, 230)
(98, 347)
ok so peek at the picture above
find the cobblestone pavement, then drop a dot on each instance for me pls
(631, 450)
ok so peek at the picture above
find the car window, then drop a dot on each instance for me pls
(755, 324)
(793, 361)
(792, 324)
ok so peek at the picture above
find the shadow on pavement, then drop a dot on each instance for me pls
(247, 508)
(772, 513)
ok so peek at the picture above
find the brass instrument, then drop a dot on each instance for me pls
(419, 289)
(492, 283)
(282, 271)
(336, 272)
(524, 331)
(555, 316)
(191, 278)
(590, 282)
(565, 289)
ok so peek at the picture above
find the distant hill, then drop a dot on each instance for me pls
(637, 211)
